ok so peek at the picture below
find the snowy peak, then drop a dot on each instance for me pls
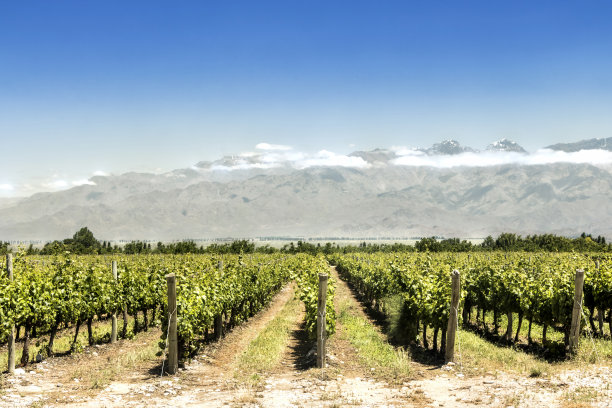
(447, 153)
(448, 147)
(505, 145)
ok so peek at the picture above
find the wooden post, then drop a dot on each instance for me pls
(172, 332)
(113, 338)
(321, 321)
(451, 330)
(11, 336)
(576, 312)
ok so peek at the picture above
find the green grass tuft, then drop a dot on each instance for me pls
(373, 350)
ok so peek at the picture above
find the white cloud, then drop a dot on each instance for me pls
(83, 182)
(6, 187)
(546, 156)
(327, 158)
(272, 158)
(249, 154)
(405, 151)
(100, 173)
(411, 157)
(243, 165)
(268, 146)
(56, 184)
(63, 184)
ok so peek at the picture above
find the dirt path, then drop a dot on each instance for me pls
(345, 382)
(206, 381)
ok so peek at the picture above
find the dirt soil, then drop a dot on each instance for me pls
(211, 380)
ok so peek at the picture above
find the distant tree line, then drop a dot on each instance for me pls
(84, 242)
(546, 242)
(504, 242)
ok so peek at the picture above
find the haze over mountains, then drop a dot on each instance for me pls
(445, 190)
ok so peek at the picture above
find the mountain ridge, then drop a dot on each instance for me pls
(561, 198)
(586, 144)
(381, 192)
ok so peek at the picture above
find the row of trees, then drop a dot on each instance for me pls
(546, 242)
(84, 242)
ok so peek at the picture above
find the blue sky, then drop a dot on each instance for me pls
(118, 86)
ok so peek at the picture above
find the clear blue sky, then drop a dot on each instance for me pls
(145, 85)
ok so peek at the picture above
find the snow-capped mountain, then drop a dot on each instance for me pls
(448, 147)
(505, 145)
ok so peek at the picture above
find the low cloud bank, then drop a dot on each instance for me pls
(273, 156)
(270, 156)
(410, 157)
(50, 184)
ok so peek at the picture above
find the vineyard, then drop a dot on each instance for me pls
(538, 288)
(214, 293)
(530, 296)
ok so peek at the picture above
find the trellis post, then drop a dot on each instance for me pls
(451, 331)
(114, 316)
(576, 311)
(11, 336)
(172, 329)
(321, 321)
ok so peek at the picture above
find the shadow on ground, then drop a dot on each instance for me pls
(302, 349)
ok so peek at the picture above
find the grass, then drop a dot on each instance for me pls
(63, 341)
(371, 346)
(473, 353)
(102, 373)
(266, 350)
(477, 355)
(591, 350)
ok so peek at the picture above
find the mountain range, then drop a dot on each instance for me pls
(364, 194)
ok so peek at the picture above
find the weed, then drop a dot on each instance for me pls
(535, 372)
